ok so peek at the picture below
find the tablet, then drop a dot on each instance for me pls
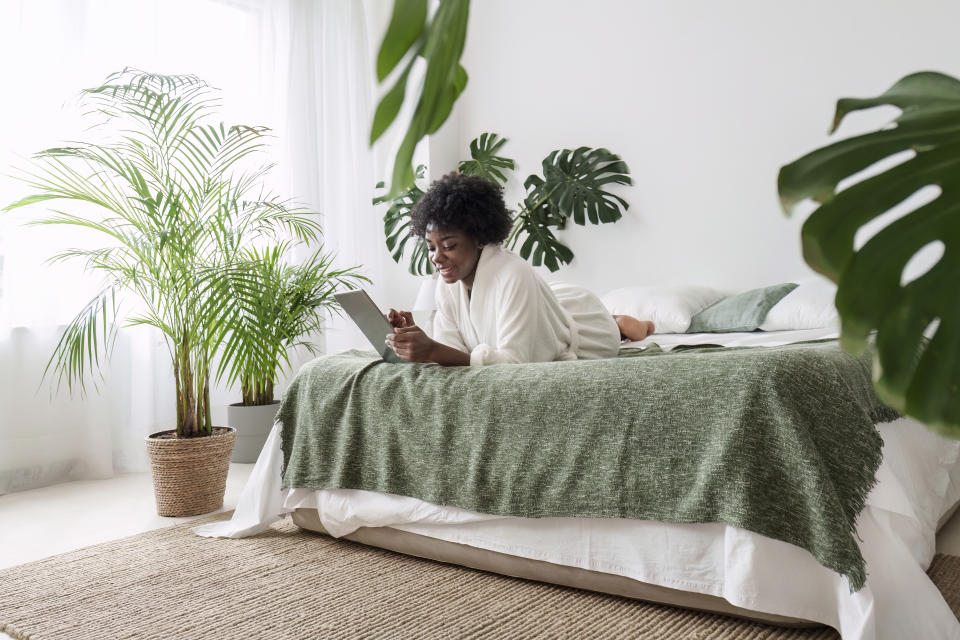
(371, 321)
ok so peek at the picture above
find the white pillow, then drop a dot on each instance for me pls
(809, 306)
(669, 307)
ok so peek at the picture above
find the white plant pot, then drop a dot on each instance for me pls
(253, 425)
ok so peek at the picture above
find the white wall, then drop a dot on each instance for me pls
(704, 100)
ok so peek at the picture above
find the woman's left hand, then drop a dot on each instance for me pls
(411, 344)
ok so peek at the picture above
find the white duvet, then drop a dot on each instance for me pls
(918, 481)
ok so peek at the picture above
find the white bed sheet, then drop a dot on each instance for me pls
(668, 341)
(918, 481)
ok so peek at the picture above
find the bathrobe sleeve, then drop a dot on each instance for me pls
(516, 305)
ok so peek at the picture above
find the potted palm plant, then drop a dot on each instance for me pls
(282, 306)
(178, 202)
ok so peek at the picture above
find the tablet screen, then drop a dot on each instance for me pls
(371, 321)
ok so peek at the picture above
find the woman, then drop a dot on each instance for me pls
(491, 305)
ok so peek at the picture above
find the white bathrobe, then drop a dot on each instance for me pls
(514, 316)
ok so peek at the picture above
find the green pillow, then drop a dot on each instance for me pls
(743, 312)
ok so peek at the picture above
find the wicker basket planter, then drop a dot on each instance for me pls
(190, 474)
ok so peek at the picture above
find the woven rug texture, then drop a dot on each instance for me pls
(287, 583)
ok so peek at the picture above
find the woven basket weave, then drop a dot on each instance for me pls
(190, 474)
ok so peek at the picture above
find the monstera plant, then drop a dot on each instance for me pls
(917, 323)
(573, 186)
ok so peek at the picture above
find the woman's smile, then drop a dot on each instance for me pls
(446, 272)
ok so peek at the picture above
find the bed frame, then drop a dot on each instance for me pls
(464, 555)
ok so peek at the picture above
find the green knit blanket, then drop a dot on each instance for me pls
(780, 441)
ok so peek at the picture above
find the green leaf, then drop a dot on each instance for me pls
(406, 24)
(40, 197)
(574, 181)
(448, 96)
(573, 186)
(540, 245)
(403, 173)
(485, 162)
(917, 323)
(388, 108)
(444, 80)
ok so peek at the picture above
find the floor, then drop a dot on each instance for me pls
(43, 522)
(948, 539)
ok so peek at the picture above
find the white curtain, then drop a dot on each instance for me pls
(301, 67)
(332, 97)
(331, 93)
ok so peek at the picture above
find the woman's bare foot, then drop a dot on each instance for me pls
(632, 329)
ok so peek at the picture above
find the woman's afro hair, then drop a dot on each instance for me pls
(470, 204)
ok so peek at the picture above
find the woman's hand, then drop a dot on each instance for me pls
(399, 319)
(411, 343)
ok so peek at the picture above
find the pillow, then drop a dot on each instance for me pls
(670, 308)
(743, 312)
(809, 306)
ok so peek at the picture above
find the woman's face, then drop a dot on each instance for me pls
(454, 253)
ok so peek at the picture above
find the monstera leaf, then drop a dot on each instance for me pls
(540, 246)
(486, 163)
(572, 186)
(917, 323)
(396, 226)
(439, 41)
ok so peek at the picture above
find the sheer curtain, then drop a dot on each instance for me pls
(301, 67)
(332, 96)
(329, 111)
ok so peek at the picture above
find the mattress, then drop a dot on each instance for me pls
(918, 481)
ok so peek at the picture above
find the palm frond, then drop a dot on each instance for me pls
(86, 340)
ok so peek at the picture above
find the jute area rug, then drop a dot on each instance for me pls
(286, 583)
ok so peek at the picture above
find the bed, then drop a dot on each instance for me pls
(711, 565)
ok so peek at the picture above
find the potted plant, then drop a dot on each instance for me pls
(178, 202)
(281, 307)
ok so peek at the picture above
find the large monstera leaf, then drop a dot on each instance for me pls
(573, 186)
(917, 323)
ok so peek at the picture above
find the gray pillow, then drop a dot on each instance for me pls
(742, 312)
